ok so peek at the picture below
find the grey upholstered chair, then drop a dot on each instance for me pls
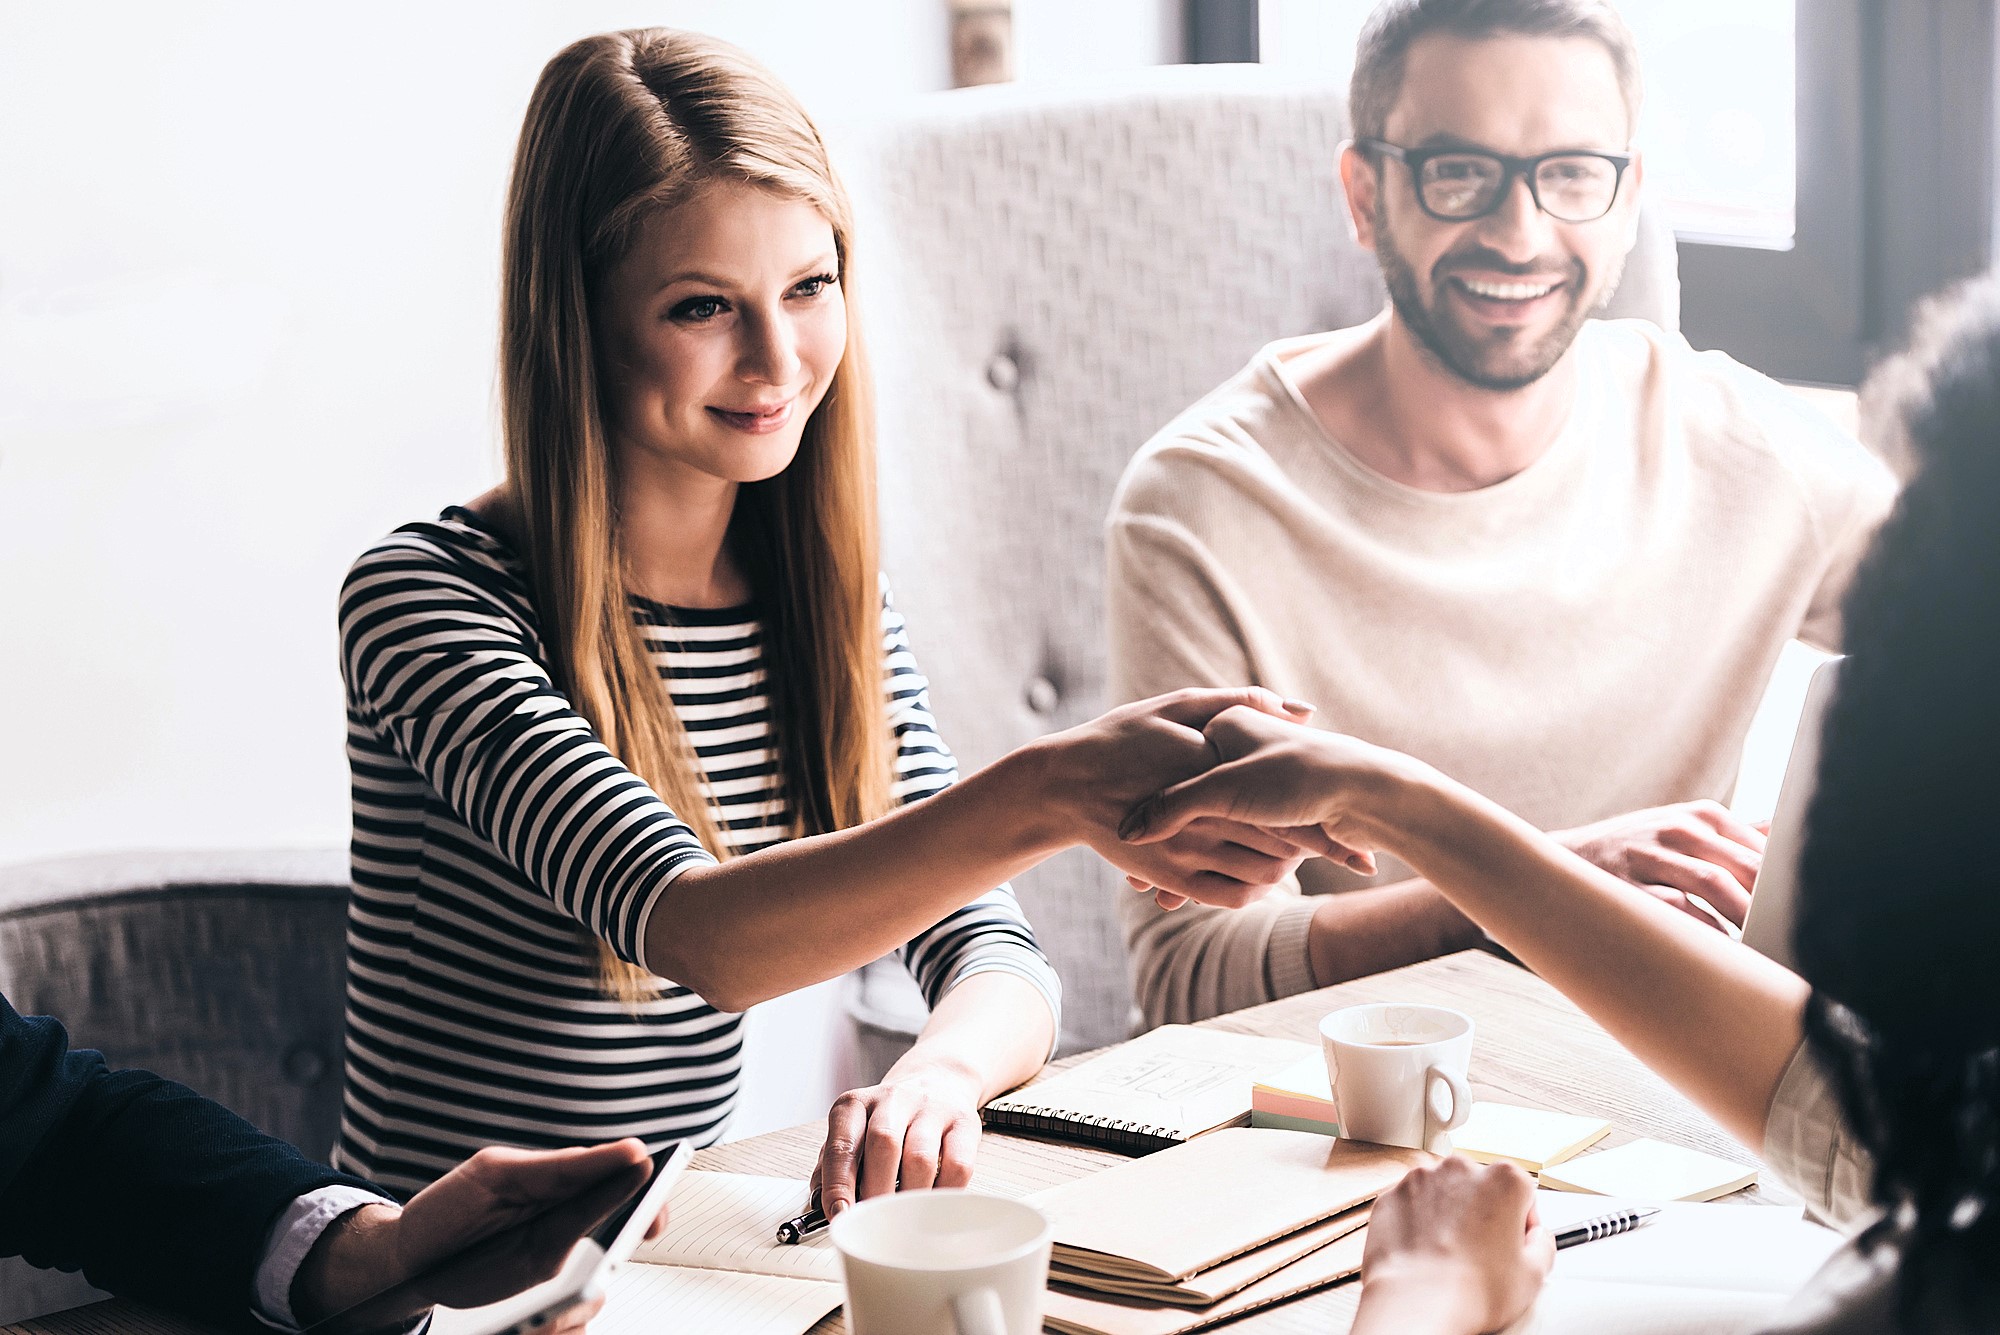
(1047, 278)
(224, 971)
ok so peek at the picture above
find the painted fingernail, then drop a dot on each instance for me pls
(1300, 707)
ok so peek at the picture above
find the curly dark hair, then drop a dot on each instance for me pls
(1898, 925)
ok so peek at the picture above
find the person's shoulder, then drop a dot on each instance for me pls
(1737, 419)
(1230, 431)
(458, 548)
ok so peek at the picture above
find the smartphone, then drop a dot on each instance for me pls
(523, 1278)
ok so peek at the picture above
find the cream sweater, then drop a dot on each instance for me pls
(1588, 637)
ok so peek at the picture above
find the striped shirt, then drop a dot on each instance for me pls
(489, 821)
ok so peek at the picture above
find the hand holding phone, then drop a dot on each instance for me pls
(525, 1276)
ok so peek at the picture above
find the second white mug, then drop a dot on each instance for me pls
(925, 1262)
(1398, 1072)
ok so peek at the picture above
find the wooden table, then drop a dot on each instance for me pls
(1531, 1047)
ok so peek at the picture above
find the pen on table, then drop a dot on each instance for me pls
(1604, 1225)
(812, 1221)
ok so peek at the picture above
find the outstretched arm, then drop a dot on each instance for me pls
(1715, 1018)
(443, 674)
(810, 909)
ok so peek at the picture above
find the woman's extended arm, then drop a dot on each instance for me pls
(811, 909)
(442, 667)
(1715, 1018)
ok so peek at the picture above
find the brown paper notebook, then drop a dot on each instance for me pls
(1188, 1209)
(1162, 1088)
(1076, 1314)
(1218, 1282)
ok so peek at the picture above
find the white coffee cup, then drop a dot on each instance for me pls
(925, 1262)
(1398, 1073)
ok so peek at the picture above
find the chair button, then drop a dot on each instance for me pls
(1003, 373)
(1043, 697)
(304, 1066)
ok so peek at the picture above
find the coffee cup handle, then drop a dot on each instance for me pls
(1461, 1104)
(978, 1313)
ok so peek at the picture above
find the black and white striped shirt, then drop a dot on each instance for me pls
(489, 820)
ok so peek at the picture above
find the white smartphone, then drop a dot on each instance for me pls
(606, 1232)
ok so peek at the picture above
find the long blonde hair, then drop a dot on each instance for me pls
(622, 125)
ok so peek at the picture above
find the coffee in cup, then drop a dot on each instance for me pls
(1398, 1073)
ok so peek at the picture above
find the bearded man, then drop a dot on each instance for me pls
(1555, 556)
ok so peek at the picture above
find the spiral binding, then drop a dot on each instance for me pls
(1103, 1132)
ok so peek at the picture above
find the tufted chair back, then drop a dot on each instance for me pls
(224, 971)
(1046, 279)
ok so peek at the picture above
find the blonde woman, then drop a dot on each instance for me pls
(637, 738)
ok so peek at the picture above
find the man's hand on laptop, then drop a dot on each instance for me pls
(1694, 851)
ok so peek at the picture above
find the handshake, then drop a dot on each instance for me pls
(1192, 796)
(1218, 795)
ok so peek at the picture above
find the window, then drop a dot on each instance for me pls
(1720, 127)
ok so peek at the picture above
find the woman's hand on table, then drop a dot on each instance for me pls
(1453, 1248)
(917, 1129)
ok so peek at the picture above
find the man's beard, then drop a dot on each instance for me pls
(1497, 363)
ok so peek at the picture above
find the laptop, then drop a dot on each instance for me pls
(1767, 927)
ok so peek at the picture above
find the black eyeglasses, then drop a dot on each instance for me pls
(1460, 184)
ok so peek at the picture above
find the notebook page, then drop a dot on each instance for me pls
(1178, 1078)
(729, 1221)
(1530, 1137)
(1746, 1248)
(649, 1299)
(1650, 1170)
(1693, 1269)
(1599, 1307)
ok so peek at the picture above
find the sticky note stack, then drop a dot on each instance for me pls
(1296, 1098)
(1651, 1170)
(1529, 1137)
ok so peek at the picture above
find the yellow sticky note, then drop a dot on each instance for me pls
(1530, 1137)
(1650, 1170)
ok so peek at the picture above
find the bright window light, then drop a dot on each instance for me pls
(1719, 130)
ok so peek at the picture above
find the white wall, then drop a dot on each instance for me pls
(247, 290)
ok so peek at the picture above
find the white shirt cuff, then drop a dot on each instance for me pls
(297, 1229)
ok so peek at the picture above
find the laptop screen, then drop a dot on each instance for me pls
(1768, 926)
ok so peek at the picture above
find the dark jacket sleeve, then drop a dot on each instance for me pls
(151, 1190)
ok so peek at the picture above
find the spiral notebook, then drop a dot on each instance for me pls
(1161, 1089)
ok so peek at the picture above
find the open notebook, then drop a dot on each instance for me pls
(1162, 1088)
(719, 1266)
(1693, 1269)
